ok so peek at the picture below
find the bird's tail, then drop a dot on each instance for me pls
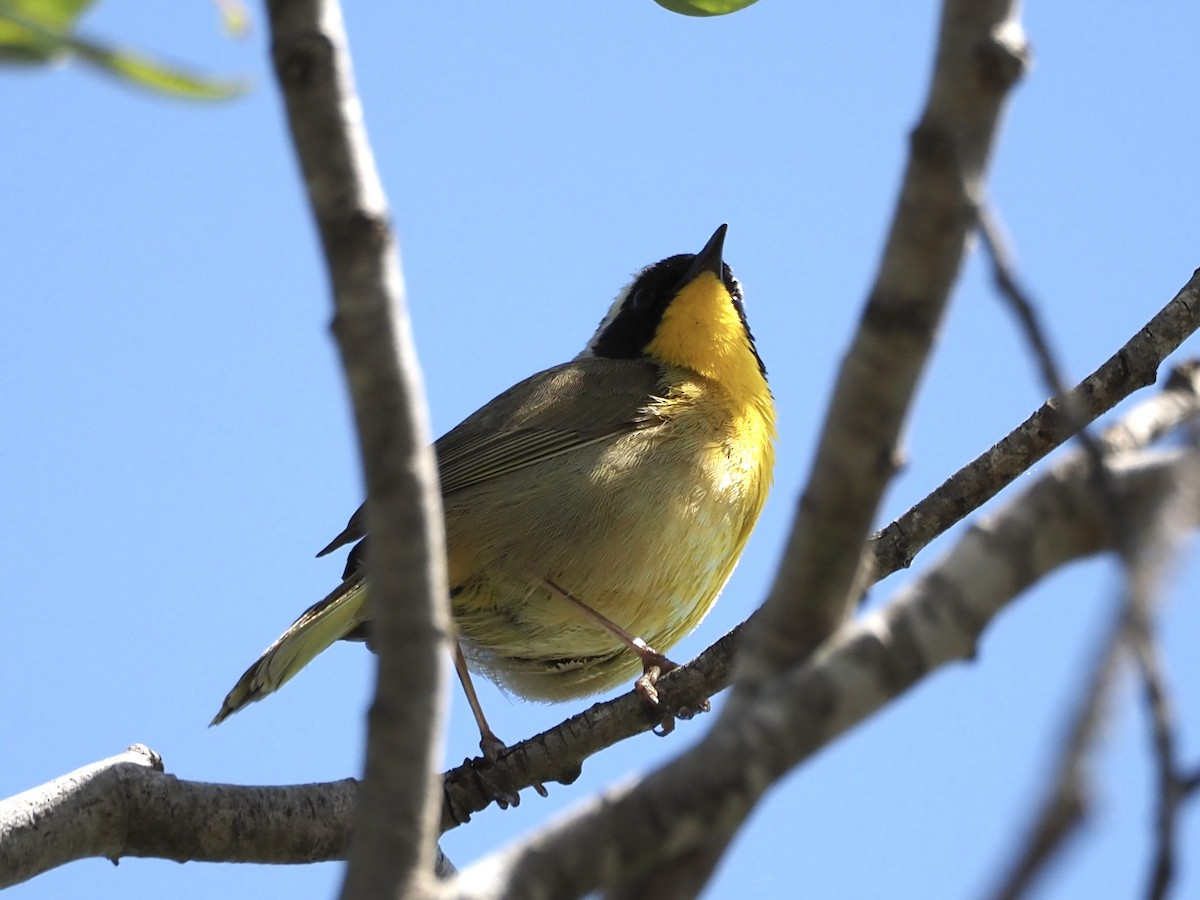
(329, 620)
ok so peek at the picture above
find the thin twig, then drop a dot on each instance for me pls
(1141, 552)
(1154, 519)
(1067, 796)
(1133, 366)
(1157, 541)
(1190, 784)
(1004, 274)
(1169, 794)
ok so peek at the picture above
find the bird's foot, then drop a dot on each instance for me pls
(498, 787)
(654, 666)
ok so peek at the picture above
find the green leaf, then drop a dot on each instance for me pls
(147, 73)
(54, 15)
(704, 7)
(31, 30)
(27, 36)
(19, 44)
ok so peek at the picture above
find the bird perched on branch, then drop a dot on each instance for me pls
(593, 511)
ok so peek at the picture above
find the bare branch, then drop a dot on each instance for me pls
(1005, 276)
(1191, 784)
(981, 54)
(935, 620)
(1067, 795)
(558, 754)
(394, 833)
(1151, 526)
(1158, 542)
(126, 806)
(1169, 793)
(1132, 367)
(1143, 550)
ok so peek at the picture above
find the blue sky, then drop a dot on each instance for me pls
(178, 442)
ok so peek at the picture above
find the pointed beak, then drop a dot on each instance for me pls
(709, 259)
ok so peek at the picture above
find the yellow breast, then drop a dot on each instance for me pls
(646, 529)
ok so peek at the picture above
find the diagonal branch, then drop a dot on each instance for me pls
(936, 620)
(1066, 799)
(981, 53)
(558, 753)
(1158, 521)
(1132, 367)
(1143, 549)
(86, 813)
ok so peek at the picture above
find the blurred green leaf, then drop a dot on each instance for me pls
(19, 44)
(30, 30)
(704, 7)
(40, 31)
(148, 73)
(56, 15)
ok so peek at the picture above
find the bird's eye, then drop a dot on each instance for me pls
(638, 299)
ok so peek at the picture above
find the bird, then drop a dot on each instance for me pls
(595, 510)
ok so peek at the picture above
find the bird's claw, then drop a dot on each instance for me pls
(504, 795)
(655, 666)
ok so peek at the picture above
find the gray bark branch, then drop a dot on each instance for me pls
(981, 53)
(395, 829)
(126, 806)
(558, 753)
(936, 620)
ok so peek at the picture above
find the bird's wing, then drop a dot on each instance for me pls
(582, 402)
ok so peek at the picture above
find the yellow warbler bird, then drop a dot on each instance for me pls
(593, 511)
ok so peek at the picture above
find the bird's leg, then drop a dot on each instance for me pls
(654, 664)
(489, 743)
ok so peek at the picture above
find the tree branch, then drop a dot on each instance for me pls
(1142, 548)
(558, 753)
(1159, 522)
(1169, 792)
(1131, 368)
(1066, 798)
(937, 619)
(981, 54)
(126, 806)
(394, 831)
